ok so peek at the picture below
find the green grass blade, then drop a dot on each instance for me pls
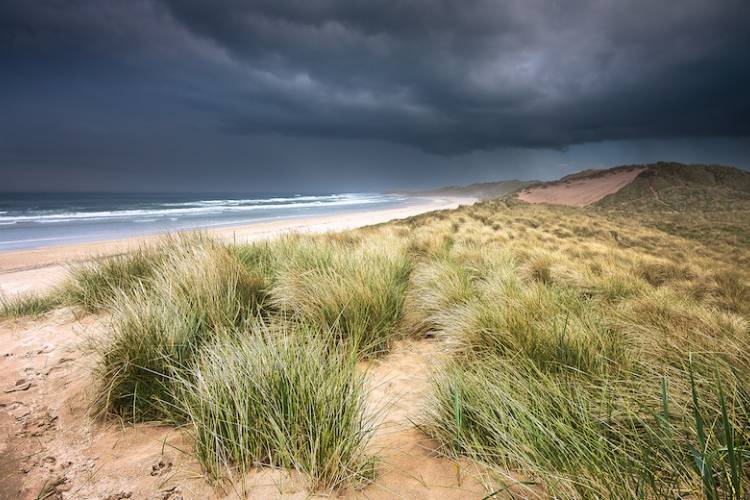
(701, 456)
(730, 444)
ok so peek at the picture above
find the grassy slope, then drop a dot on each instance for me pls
(594, 352)
(565, 323)
(700, 202)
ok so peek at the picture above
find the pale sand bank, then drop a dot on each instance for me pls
(25, 271)
(580, 192)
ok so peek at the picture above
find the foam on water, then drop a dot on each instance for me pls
(33, 220)
(200, 207)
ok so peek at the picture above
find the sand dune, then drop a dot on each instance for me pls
(579, 191)
(52, 446)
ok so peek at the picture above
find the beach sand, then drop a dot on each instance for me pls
(37, 270)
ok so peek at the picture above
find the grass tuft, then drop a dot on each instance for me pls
(28, 305)
(199, 293)
(356, 292)
(279, 398)
(589, 437)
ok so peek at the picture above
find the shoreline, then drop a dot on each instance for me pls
(39, 269)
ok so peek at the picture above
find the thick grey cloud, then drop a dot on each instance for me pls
(455, 76)
(92, 79)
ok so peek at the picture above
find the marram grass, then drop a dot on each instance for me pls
(198, 293)
(17, 306)
(580, 437)
(603, 371)
(281, 398)
(354, 291)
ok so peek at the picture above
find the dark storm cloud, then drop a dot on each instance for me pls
(354, 94)
(452, 76)
(441, 75)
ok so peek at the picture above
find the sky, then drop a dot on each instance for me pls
(363, 95)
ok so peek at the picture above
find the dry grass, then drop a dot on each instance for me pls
(354, 289)
(571, 334)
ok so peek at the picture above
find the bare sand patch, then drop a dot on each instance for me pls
(579, 192)
(411, 466)
(53, 448)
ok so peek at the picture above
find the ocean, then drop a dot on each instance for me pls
(33, 220)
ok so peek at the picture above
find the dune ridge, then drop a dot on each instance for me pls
(581, 190)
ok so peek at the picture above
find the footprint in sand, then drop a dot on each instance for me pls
(38, 424)
(160, 468)
(21, 385)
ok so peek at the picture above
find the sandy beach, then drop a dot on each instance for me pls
(36, 270)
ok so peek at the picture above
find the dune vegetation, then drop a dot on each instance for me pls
(589, 354)
(699, 202)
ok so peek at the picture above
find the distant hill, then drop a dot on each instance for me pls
(678, 187)
(700, 202)
(657, 186)
(662, 187)
(481, 190)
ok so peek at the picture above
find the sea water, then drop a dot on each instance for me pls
(33, 220)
